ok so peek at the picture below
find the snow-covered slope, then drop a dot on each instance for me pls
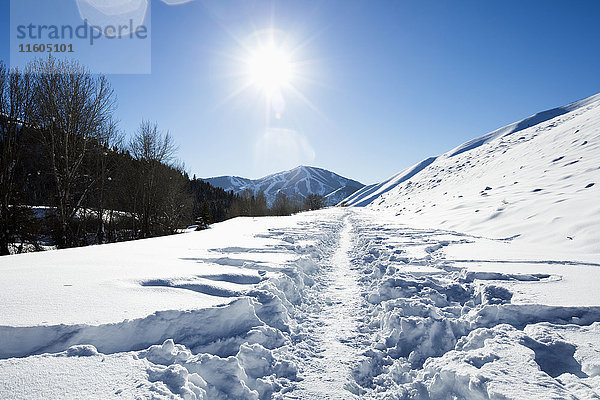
(538, 178)
(298, 183)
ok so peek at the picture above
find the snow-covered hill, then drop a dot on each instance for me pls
(298, 183)
(538, 178)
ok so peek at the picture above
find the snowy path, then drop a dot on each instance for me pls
(328, 375)
(334, 304)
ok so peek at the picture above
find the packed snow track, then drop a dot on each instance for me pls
(334, 304)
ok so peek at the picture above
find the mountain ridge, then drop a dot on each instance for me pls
(368, 193)
(536, 180)
(298, 182)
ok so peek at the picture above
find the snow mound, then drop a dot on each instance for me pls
(253, 373)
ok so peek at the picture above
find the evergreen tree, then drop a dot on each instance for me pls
(205, 216)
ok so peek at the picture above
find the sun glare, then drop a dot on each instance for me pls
(271, 65)
(270, 68)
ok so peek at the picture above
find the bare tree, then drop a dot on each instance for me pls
(73, 113)
(152, 145)
(109, 140)
(16, 101)
(154, 150)
(175, 200)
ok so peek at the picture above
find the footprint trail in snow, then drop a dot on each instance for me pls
(328, 375)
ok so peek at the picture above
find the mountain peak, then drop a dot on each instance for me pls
(297, 183)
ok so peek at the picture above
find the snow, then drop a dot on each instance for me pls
(339, 303)
(375, 302)
(298, 183)
(338, 322)
(55, 376)
(420, 321)
(366, 195)
(110, 283)
(538, 179)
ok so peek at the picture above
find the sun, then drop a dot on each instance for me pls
(270, 69)
(271, 65)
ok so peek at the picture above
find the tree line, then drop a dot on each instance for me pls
(69, 178)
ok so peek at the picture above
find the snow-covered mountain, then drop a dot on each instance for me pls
(538, 178)
(298, 183)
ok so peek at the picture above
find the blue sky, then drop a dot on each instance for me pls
(380, 85)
